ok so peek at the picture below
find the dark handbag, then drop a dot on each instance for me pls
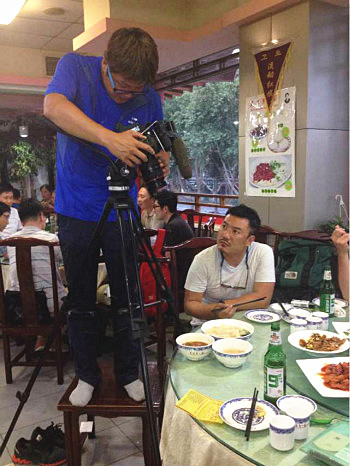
(13, 308)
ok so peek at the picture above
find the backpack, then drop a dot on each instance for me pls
(300, 268)
(148, 283)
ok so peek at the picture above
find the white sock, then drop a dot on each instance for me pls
(82, 394)
(135, 390)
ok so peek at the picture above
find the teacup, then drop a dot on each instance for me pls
(314, 323)
(282, 432)
(300, 409)
(298, 324)
(325, 319)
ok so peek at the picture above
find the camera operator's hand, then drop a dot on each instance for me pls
(163, 160)
(128, 147)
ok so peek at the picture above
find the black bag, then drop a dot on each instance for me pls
(300, 268)
(13, 307)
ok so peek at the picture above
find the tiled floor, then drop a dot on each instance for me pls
(118, 441)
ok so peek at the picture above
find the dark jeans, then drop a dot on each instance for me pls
(81, 274)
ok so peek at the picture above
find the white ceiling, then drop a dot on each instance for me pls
(33, 28)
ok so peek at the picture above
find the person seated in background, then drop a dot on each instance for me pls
(16, 198)
(31, 213)
(340, 240)
(177, 229)
(4, 221)
(48, 199)
(6, 196)
(235, 270)
(148, 215)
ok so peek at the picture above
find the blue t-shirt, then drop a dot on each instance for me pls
(82, 189)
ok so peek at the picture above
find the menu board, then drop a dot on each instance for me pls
(270, 146)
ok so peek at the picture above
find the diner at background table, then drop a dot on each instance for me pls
(186, 441)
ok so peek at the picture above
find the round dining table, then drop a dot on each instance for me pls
(186, 441)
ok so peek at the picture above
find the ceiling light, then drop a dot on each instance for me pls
(9, 9)
(236, 50)
(274, 41)
(23, 131)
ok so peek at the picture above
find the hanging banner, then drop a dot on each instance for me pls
(270, 66)
(270, 146)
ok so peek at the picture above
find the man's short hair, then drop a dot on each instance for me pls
(167, 198)
(29, 209)
(46, 186)
(6, 188)
(133, 53)
(4, 208)
(250, 214)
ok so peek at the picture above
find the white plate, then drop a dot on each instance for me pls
(338, 301)
(294, 338)
(235, 413)
(312, 369)
(341, 328)
(262, 316)
(207, 326)
(285, 160)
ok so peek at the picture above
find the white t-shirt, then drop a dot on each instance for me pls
(13, 226)
(40, 264)
(204, 274)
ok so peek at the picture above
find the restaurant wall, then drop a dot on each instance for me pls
(321, 110)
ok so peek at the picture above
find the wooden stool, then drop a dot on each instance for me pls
(110, 400)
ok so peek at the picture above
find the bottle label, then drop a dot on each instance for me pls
(327, 303)
(327, 275)
(275, 338)
(274, 382)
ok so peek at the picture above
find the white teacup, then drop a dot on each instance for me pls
(298, 324)
(297, 313)
(325, 319)
(300, 409)
(314, 323)
(282, 432)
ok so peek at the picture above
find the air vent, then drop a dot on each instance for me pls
(51, 63)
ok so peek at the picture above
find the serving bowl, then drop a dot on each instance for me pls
(223, 351)
(194, 353)
(210, 328)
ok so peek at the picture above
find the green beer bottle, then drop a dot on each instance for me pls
(327, 294)
(274, 367)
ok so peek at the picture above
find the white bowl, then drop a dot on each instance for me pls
(298, 313)
(277, 308)
(232, 360)
(210, 324)
(194, 353)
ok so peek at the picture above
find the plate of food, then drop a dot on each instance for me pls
(270, 172)
(262, 316)
(258, 132)
(228, 328)
(339, 302)
(318, 341)
(235, 413)
(329, 376)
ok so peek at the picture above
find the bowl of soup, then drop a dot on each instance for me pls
(232, 352)
(194, 346)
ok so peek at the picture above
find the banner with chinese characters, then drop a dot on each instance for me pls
(270, 145)
(270, 66)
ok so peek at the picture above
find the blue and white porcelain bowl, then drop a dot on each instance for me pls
(224, 351)
(194, 353)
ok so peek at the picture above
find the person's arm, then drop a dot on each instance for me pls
(127, 145)
(195, 307)
(341, 241)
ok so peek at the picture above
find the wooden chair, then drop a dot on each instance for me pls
(111, 401)
(202, 229)
(268, 235)
(181, 257)
(31, 327)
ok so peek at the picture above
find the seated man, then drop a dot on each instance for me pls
(340, 240)
(16, 198)
(4, 221)
(177, 229)
(6, 196)
(235, 270)
(31, 213)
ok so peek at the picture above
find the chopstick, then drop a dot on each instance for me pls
(251, 414)
(248, 302)
(284, 309)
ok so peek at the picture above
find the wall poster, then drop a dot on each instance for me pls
(270, 145)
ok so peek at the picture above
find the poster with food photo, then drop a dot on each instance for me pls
(270, 146)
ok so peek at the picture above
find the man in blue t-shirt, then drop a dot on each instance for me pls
(87, 98)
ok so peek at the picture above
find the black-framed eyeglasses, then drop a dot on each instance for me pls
(121, 91)
(225, 285)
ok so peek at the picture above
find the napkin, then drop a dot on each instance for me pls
(200, 406)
